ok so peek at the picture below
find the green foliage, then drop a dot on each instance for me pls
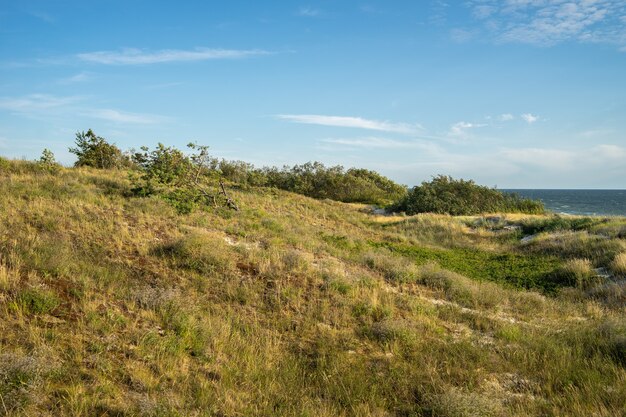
(535, 271)
(180, 179)
(559, 223)
(446, 195)
(163, 166)
(313, 179)
(94, 151)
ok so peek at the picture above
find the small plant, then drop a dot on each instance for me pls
(47, 157)
(37, 301)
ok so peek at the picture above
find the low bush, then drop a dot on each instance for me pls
(313, 179)
(446, 195)
(185, 181)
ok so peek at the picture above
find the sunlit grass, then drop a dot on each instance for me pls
(116, 305)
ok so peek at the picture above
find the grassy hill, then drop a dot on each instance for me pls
(115, 305)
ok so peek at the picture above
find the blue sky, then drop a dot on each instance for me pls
(512, 93)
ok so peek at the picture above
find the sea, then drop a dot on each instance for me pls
(579, 202)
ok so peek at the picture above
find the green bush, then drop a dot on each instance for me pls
(446, 195)
(180, 179)
(313, 179)
(95, 151)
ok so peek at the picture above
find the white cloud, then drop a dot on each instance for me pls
(460, 129)
(43, 106)
(77, 78)
(548, 22)
(308, 12)
(590, 167)
(461, 35)
(483, 11)
(594, 133)
(138, 56)
(375, 143)
(566, 160)
(529, 118)
(353, 122)
(35, 102)
(506, 117)
(118, 116)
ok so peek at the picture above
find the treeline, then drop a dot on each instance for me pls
(316, 180)
(167, 165)
(184, 180)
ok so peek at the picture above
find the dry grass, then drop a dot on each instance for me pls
(112, 305)
(618, 266)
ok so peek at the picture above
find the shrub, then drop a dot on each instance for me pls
(95, 151)
(313, 179)
(446, 195)
(181, 180)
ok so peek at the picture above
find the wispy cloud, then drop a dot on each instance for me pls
(118, 116)
(564, 160)
(139, 56)
(594, 133)
(43, 106)
(505, 117)
(351, 122)
(461, 35)
(374, 143)
(76, 78)
(308, 12)
(35, 102)
(549, 22)
(43, 16)
(460, 129)
(529, 118)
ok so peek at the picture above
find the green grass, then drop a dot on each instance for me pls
(534, 271)
(117, 305)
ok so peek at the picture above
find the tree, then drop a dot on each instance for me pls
(95, 151)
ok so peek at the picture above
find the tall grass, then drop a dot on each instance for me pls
(116, 305)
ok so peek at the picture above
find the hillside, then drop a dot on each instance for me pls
(117, 305)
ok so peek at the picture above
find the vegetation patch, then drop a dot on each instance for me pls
(446, 195)
(37, 301)
(521, 271)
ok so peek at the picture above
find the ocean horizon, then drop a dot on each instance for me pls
(592, 202)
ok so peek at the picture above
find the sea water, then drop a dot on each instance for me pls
(580, 202)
